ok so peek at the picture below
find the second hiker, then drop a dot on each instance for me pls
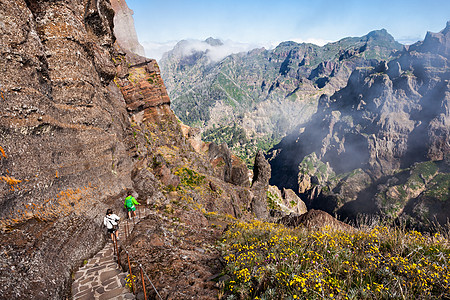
(129, 204)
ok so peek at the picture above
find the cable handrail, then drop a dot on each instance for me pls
(143, 272)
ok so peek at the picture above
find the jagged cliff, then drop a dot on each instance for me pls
(381, 144)
(63, 137)
(251, 100)
(84, 122)
(124, 28)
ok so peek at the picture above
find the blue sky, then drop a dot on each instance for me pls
(160, 24)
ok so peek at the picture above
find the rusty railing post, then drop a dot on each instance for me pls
(126, 231)
(143, 282)
(116, 248)
(114, 242)
(131, 274)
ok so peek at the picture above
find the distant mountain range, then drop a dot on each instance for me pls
(367, 119)
(252, 99)
(381, 144)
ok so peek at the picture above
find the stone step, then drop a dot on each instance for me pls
(101, 278)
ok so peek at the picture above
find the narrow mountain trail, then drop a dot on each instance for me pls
(101, 278)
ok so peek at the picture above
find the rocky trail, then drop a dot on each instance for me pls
(102, 278)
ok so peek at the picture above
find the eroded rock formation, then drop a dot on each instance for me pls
(124, 28)
(369, 140)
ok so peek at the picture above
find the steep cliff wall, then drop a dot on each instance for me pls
(83, 122)
(63, 138)
(124, 28)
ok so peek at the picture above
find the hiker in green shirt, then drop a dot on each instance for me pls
(129, 204)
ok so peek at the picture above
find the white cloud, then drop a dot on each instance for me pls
(409, 40)
(318, 42)
(215, 53)
(218, 52)
(156, 50)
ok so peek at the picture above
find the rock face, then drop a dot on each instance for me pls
(292, 200)
(260, 185)
(251, 100)
(83, 123)
(63, 160)
(231, 168)
(387, 118)
(284, 202)
(124, 28)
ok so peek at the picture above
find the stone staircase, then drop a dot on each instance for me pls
(102, 278)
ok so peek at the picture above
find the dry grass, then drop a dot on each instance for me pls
(11, 181)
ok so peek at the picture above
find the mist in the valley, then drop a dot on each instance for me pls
(214, 49)
(388, 117)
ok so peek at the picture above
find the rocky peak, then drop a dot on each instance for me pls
(213, 42)
(229, 167)
(447, 28)
(260, 185)
(381, 34)
(261, 170)
(124, 29)
(435, 43)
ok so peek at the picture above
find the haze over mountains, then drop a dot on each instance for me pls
(252, 99)
(379, 141)
(382, 143)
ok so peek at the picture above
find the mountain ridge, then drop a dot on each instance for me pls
(388, 120)
(262, 91)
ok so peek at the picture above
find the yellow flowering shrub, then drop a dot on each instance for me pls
(269, 261)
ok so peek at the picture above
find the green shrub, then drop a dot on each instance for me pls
(189, 178)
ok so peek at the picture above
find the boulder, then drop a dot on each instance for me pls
(293, 201)
(314, 219)
(163, 172)
(146, 185)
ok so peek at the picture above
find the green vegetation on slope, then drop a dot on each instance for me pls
(235, 138)
(439, 187)
(206, 93)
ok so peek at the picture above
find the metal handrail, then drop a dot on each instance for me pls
(136, 261)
